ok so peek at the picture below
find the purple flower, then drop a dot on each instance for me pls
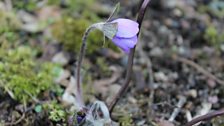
(126, 35)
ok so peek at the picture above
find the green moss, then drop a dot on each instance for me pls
(22, 75)
(9, 25)
(214, 37)
(126, 120)
(56, 112)
(29, 5)
(8, 21)
(211, 35)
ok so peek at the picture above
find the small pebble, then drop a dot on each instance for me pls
(157, 52)
(60, 58)
(213, 99)
(192, 93)
(160, 76)
(132, 100)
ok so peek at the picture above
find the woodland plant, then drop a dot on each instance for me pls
(115, 31)
(24, 79)
(124, 34)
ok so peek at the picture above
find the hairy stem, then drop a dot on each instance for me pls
(81, 55)
(206, 117)
(124, 87)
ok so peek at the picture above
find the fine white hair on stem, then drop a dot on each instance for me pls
(109, 30)
(81, 55)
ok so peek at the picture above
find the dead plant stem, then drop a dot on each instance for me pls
(206, 117)
(198, 68)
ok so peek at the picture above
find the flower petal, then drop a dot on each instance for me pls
(125, 43)
(126, 28)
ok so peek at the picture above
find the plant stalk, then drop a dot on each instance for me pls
(79, 94)
(124, 87)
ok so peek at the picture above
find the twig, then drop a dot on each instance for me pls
(130, 59)
(206, 117)
(16, 122)
(198, 68)
(165, 104)
(177, 110)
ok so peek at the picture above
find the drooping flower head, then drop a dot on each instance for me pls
(126, 36)
(123, 32)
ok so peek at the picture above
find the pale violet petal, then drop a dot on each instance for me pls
(126, 28)
(125, 43)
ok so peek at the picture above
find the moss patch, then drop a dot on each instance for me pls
(22, 75)
(9, 25)
(57, 112)
(214, 37)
